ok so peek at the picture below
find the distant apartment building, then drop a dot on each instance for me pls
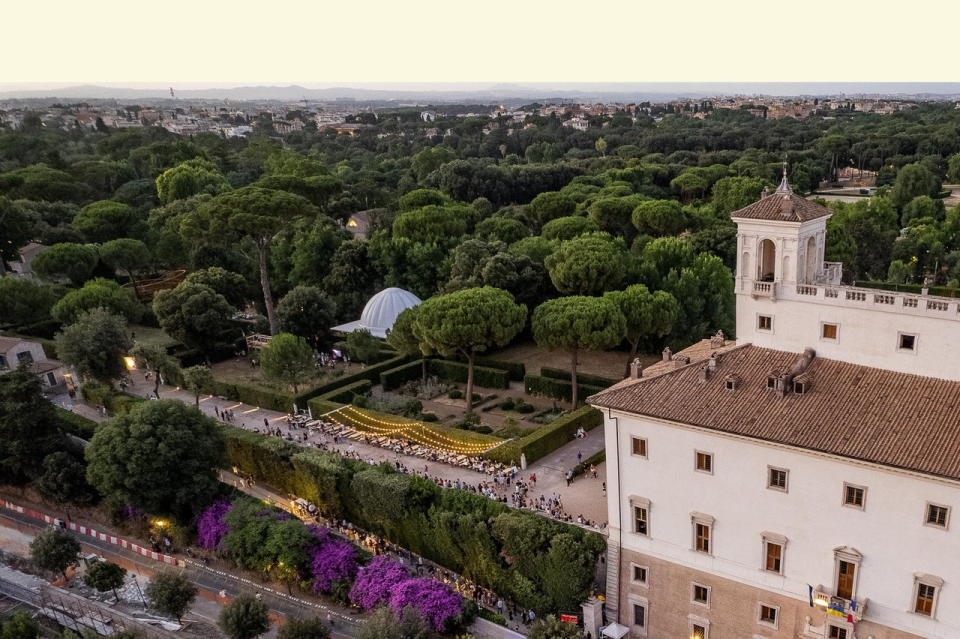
(800, 482)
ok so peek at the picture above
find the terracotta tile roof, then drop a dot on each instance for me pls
(854, 411)
(785, 207)
(6, 343)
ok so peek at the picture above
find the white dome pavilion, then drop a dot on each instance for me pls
(381, 312)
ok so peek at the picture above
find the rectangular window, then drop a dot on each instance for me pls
(3, 362)
(907, 342)
(764, 322)
(701, 594)
(698, 632)
(777, 479)
(639, 574)
(846, 572)
(702, 537)
(925, 596)
(768, 615)
(836, 632)
(25, 357)
(638, 446)
(938, 515)
(828, 331)
(854, 496)
(52, 379)
(639, 615)
(704, 462)
(773, 557)
(640, 520)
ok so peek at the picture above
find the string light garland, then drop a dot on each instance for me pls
(417, 432)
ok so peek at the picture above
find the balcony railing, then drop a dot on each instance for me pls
(838, 606)
(764, 289)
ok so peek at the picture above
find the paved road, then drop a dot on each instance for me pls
(209, 582)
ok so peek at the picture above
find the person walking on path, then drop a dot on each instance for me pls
(569, 477)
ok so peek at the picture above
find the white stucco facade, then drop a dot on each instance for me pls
(804, 294)
(889, 532)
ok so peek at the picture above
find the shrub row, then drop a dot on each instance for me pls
(540, 563)
(582, 378)
(516, 370)
(397, 377)
(284, 401)
(597, 458)
(451, 371)
(549, 438)
(557, 388)
(75, 424)
(344, 394)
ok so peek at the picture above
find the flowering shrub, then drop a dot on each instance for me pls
(376, 581)
(331, 560)
(436, 602)
(211, 527)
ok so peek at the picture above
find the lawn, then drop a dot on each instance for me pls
(151, 335)
(239, 371)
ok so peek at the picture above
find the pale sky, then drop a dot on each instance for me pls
(318, 41)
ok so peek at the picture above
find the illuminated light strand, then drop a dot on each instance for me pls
(409, 430)
(421, 424)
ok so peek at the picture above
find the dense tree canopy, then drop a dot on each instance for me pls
(161, 457)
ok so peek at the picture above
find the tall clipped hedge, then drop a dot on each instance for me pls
(396, 377)
(516, 370)
(538, 562)
(284, 401)
(451, 371)
(582, 378)
(75, 424)
(549, 438)
(556, 388)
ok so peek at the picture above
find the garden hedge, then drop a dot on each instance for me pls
(583, 379)
(557, 388)
(548, 438)
(451, 371)
(75, 424)
(397, 377)
(516, 370)
(542, 564)
(284, 401)
(344, 394)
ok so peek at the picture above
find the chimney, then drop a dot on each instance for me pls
(765, 192)
(636, 369)
(705, 372)
(680, 361)
(718, 340)
(713, 361)
(667, 354)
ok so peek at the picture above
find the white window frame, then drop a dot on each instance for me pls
(637, 600)
(916, 342)
(824, 338)
(696, 460)
(646, 447)
(766, 624)
(694, 620)
(851, 556)
(926, 516)
(786, 486)
(639, 502)
(768, 330)
(843, 496)
(646, 573)
(693, 599)
(703, 520)
(768, 538)
(934, 582)
(843, 625)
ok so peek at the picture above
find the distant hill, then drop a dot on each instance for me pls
(475, 92)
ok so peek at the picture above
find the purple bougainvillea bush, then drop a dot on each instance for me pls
(331, 560)
(434, 600)
(375, 582)
(211, 527)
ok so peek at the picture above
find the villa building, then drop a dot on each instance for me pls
(799, 482)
